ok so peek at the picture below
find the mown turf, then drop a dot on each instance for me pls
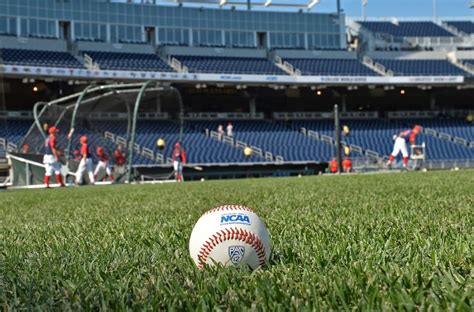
(398, 241)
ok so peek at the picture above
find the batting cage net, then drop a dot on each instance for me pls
(122, 122)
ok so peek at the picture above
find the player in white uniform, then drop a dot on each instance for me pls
(400, 145)
(85, 164)
(51, 158)
(103, 164)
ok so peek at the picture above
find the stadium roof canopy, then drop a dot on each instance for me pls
(299, 4)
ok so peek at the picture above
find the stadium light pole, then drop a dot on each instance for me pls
(435, 13)
(337, 129)
(364, 5)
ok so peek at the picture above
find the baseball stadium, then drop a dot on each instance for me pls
(347, 126)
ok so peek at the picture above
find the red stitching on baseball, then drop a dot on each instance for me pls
(232, 234)
(230, 207)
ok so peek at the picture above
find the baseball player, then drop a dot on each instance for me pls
(347, 165)
(103, 164)
(400, 145)
(51, 158)
(179, 159)
(85, 164)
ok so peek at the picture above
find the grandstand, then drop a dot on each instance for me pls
(248, 67)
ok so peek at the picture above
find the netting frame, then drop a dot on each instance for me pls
(141, 88)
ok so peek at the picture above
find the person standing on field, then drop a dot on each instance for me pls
(333, 167)
(103, 164)
(347, 164)
(179, 159)
(86, 163)
(400, 145)
(51, 158)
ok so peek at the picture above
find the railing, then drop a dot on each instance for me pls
(323, 115)
(90, 64)
(177, 65)
(379, 68)
(286, 66)
(427, 114)
(224, 116)
(448, 137)
(142, 151)
(329, 140)
(242, 145)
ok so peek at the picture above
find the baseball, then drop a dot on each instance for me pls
(231, 235)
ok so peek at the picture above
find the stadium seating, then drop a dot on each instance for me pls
(277, 139)
(469, 61)
(39, 58)
(456, 127)
(407, 29)
(129, 61)
(200, 148)
(377, 135)
(331, 67)
(280, 140)
(230, 65)
(462, 26)
(422, 67)
(14, 130)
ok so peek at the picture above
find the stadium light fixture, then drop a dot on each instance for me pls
(312, 4)
(402, 92)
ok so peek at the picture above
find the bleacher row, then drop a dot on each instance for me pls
(230, 65)
(418, 29)
(280, 139)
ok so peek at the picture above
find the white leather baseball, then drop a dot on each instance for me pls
(231, 235)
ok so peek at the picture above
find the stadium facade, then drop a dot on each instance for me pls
(275, 74)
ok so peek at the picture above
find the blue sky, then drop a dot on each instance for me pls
(386, 8)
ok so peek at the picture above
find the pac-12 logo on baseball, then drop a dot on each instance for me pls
(235, 219)
(236, 254)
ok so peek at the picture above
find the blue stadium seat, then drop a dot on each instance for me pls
(377, 135)
(39, 58)
(407, 29)
(422, 67)
(466, 27)
(129, 61)
(331, 67)
(230, 65)
(469, 61)
(277, 139)
(371, 134)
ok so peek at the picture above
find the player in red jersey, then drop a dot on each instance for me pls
(347, 164)
(400, 145)
(51, 158)
(103, 164)
(333, 167)
(179, 159)
(119, 158)
(85, 164)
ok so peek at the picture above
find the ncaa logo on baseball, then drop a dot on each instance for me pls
(235, 219)
(230, 235)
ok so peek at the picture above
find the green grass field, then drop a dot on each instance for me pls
(380, 242)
